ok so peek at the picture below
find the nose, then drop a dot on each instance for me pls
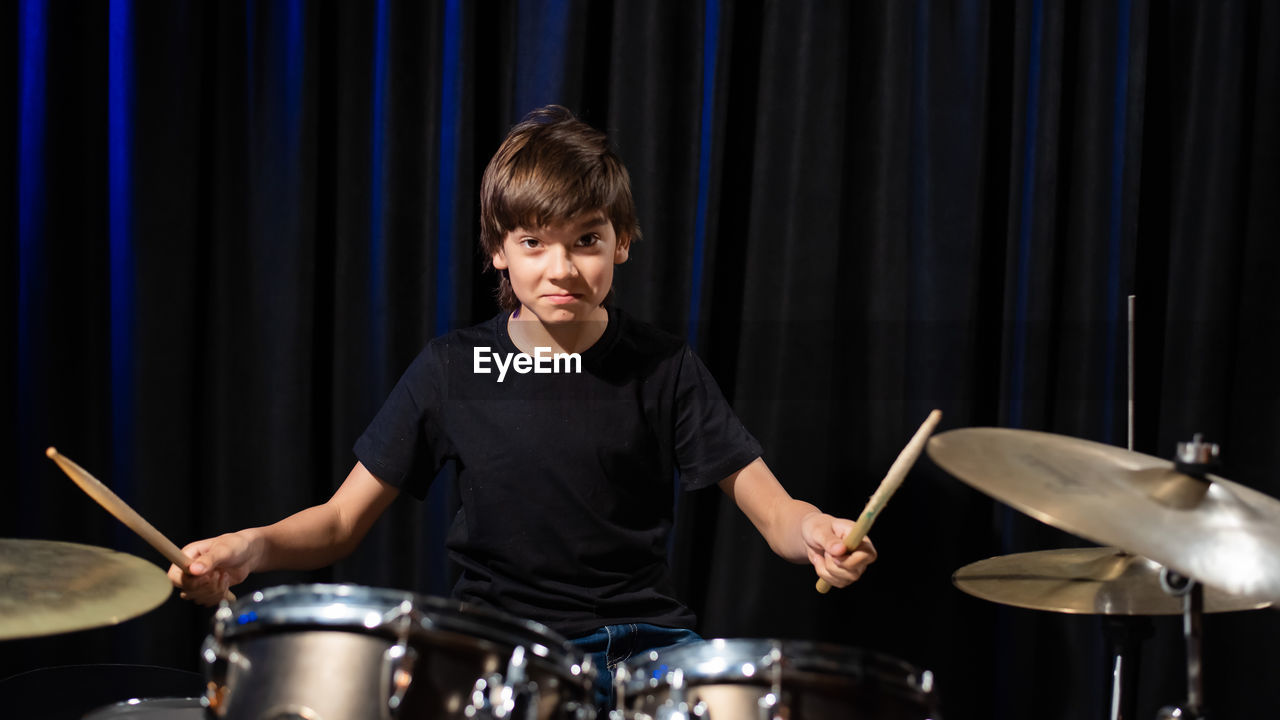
(560, 264)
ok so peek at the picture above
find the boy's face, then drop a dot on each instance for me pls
(561, 273)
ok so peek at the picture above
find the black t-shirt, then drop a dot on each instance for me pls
(565, 478)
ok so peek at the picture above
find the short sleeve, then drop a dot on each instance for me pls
(403, 445)
(710, 442)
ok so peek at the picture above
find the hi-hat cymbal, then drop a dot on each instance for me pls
(1221, 533)
(49, 587)
(1090, 581)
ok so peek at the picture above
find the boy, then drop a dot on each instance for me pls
(568, 420)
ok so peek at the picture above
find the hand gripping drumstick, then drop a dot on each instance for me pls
(892, 479)
(125, 514)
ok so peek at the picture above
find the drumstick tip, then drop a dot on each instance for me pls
(51, 453)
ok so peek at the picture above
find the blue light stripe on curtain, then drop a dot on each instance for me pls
(294, 60)
(439, 502)
(1124, 9)
(1026, 213)
(31, 204)
(541, 53)
(710, 52)
(377, 184)
(450, 109)
(120, 81)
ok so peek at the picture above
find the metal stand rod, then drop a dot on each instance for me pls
(1192, 594)
(1192, 629)
(1124, 644)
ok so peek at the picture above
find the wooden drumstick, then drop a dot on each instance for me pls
(892, 479)
(125, 514)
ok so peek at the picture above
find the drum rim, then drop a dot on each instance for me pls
(295, 604)
(797, 656)
(167, 703)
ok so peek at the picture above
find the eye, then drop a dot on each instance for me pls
(589, 240)
(529, 242)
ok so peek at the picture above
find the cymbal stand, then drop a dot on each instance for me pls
(1124, 635)
(1193, 458)
(1192, 594)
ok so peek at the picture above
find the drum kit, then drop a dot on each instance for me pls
(336, 652)
(1178, 540)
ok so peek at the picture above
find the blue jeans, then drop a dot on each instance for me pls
(612, 645)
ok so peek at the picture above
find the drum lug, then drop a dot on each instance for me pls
(398, 661)
(769, 703)
(676, 706)
(217, 660)
(499, 698)
(397, 675)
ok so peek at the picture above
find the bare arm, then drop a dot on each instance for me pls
(797, 530)
(311, 538)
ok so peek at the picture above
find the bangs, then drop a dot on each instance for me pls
(545, 191)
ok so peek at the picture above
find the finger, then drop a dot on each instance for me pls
(829, 569)
(212, 557)
(200, 565)
(196, 549)
(175, 575)
(843, 575)
(867, 548)
(857, 561)
(851, 568)
(863, 549)
(822, 537)
(833, 577)
(840, 528)
(815, 558)
(209, 593)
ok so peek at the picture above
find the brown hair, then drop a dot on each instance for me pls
(551, 169)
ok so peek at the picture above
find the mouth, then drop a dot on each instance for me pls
(561, 298)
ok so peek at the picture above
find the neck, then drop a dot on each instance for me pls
(528, 333)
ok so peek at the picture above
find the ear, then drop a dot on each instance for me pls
(623, 250)
(499, 259)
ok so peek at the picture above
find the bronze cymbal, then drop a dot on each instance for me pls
(49, 587)
(1221, 533)
(1090, 581)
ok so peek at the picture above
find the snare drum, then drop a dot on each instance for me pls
(337, 652)
(770, 680)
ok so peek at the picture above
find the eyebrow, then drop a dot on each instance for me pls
(591, 222)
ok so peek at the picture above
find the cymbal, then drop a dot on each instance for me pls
(1089, 581)
(1221, 533)
(49, 587)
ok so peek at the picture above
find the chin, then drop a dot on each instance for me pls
(562, 316)
(569, 312)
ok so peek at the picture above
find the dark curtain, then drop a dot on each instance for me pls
(234, 224)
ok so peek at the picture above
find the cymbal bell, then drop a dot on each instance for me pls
(1220, 533)
(49, 587)
(1089, 581)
